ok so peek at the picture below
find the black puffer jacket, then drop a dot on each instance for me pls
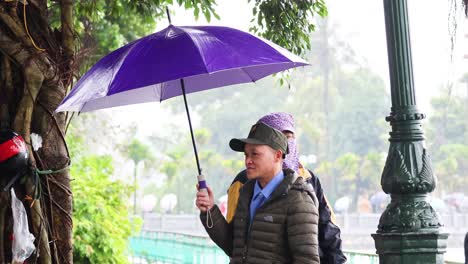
(284, 228)
(329, 233)
(466, 248)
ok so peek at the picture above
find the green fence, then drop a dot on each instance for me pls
(173, 248)
(161, 247)
(361, 257)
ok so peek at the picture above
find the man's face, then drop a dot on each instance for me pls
(260, 160)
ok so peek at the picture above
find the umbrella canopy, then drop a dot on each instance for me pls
(176, 61)
(151, 68)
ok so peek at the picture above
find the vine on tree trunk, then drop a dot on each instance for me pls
(35, 81)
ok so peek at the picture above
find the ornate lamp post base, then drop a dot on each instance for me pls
(411, 247)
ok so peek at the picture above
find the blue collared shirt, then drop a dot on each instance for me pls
(260, 196)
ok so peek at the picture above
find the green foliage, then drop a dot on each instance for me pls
(348, 166)
(202, 136)
(107, 25)
(100, 213)
(371, 170)
(448, 137)
(102, 26)
(287, 23)
(448, 124)
(137, 151)
(451, 167)
(352, 175)
(356, 114)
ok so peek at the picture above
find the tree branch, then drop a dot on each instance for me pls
(33, 79)
(40, 230)
(12, 48)
(41, 5)
(68, 41)
(20, 47)
(8, 80)
(6, 92)
(15, 27)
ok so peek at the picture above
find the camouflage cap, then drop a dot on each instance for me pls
(261, 134)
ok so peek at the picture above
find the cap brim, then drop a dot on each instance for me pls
(238, 144)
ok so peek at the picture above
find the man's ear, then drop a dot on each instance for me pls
(278, 154)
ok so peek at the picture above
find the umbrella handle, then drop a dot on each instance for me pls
(202, 187)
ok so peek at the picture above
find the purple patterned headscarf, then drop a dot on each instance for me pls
(284, 122)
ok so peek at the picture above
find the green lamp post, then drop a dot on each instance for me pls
(409, 230)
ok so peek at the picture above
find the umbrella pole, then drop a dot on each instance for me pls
(202, 187)
(191, 129)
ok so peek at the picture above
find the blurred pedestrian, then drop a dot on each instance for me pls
(363, 204)
(379, 202)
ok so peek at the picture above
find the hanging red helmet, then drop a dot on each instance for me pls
(13, 153)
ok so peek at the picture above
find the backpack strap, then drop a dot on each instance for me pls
(301, 185)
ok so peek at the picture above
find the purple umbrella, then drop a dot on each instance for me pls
(176, 61)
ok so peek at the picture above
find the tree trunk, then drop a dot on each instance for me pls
(35, 73)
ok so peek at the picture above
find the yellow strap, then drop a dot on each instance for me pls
(233, 198)
(304, 173)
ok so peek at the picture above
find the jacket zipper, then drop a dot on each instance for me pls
(247, 238)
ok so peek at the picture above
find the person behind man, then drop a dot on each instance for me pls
(329, 233)
(277, 218)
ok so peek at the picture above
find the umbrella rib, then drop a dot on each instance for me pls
(116, 70)
(161, 96)
(199, 53)
(197, 47)
(250, 77)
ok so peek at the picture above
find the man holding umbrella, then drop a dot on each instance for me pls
(329, 233)
(277, 218)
